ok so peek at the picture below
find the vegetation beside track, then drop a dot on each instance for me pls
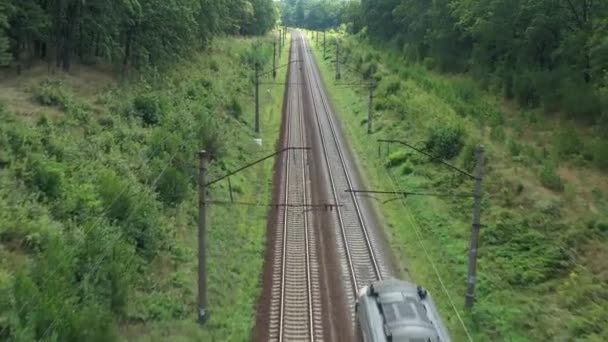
(98, 201)
(541, 271)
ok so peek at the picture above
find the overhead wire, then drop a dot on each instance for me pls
(415, 225)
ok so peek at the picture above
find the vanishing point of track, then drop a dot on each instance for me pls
(296, 308)
(358, 246)
(296, 313)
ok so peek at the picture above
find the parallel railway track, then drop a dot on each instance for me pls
(296, 311)
(359, 247)
(296, 299)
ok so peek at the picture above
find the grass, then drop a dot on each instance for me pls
(236, 233)
(88, 188)
(535, 259)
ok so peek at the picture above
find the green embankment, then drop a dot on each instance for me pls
(98, 201)
(542, 260)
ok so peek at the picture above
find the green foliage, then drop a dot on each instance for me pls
(568, 142)
(131, 33)
(52, 92)
(599, 151)
(318, 14)
(535, 260)
(47, 177)
(445, 142)
(515, 148)
(96, 216)
(172, 186)
(397, 158)
(234, 108)
(148, 108)
(550, 179)
(539, 52)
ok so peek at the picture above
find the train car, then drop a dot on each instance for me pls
(394, 310)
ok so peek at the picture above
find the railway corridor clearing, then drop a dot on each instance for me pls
(325, 242)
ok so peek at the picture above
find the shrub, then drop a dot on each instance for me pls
(52, 93)
(525, 91)
(515, 148)
(567, 142)
(47, 177)
(391, 86)
(497, 133)
(396, 158)
(172, 186)
(407, 168)
(234, 108)
(550, 179)
(211, 137)
(599, 152)
(148, 108)
(445, 142)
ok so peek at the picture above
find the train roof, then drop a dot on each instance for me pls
(408, 312)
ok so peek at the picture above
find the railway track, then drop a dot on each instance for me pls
(296, 309)
(359, 249)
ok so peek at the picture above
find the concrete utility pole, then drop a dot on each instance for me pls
(257, 97)
(469, 298)
(202, 226)
(323, 44)
(338, 76)
(274, 59)
(372, 87)
(317, 37)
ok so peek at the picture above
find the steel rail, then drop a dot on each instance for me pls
(346, 172)
(291, 175)
(347, 244)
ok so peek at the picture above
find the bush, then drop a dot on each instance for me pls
(567, 142)
(550, 179)
(445, 142)
(234, 108)
(172, 186)
(525, 91)
(396, 158)
(148, 108)
(407, 168)
(515, 148)
(599, 152)
(52, 93)
(47, 177)
(391, 86)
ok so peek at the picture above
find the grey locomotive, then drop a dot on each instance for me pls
(394, 310)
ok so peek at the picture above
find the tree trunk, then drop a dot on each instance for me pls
(128, 43)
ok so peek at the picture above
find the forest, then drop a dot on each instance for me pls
(549, 54)
(127, 33)
(103, 107)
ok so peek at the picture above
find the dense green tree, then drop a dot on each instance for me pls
(136, 33)
(317, 14)
(549, 53)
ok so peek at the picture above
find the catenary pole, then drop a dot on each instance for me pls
(257, 97)
(274, 59)
(371, 108)
(473, 248)
(202, 226)
(338, 76)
